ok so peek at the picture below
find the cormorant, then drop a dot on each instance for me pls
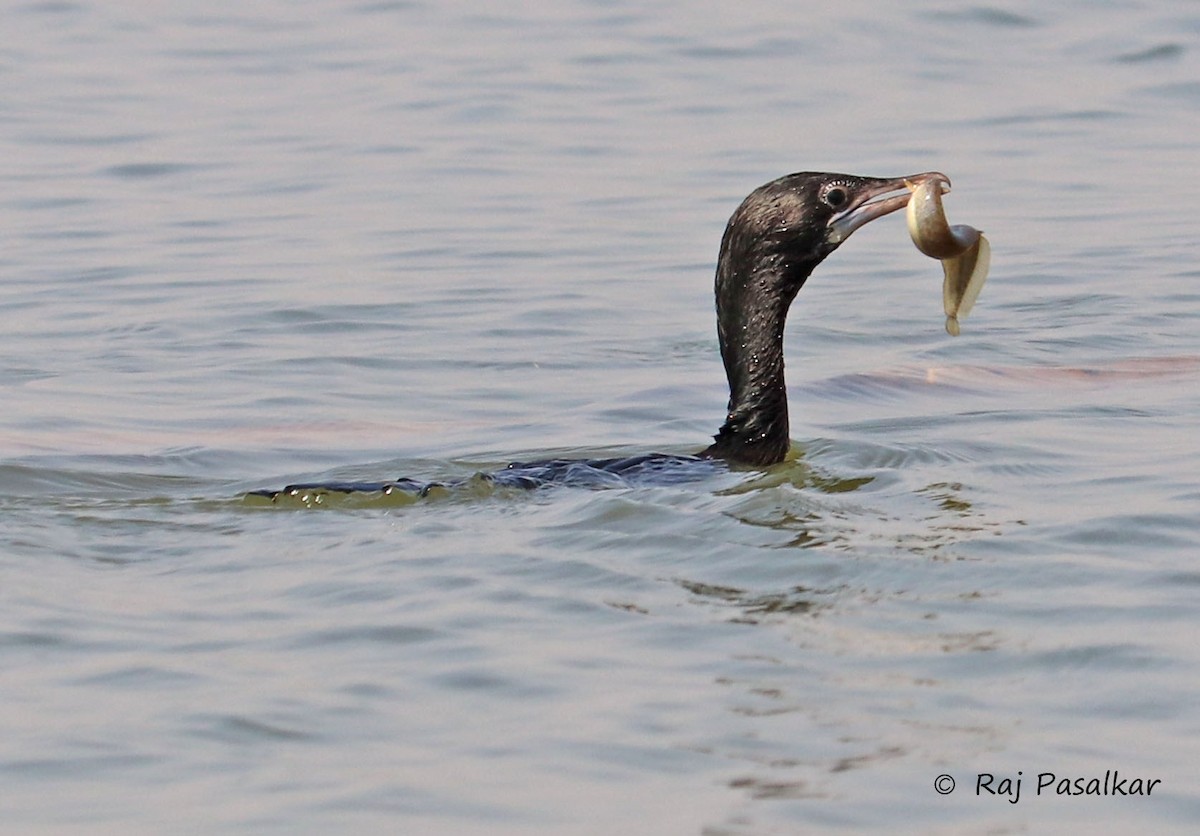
(772, 243)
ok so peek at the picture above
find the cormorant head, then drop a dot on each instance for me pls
(800, 219)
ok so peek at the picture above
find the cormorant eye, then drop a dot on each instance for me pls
(835, 197)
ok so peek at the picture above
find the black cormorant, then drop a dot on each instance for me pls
(773, 242)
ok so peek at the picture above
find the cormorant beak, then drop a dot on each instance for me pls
(874, 200)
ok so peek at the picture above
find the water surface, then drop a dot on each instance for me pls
(246, 247)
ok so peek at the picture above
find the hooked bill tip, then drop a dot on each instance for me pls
(915, 181)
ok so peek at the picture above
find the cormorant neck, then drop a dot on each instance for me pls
(772, 243)
(753, 293)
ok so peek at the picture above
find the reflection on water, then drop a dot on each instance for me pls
(796, 601)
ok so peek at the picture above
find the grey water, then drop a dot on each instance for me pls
(243, 245)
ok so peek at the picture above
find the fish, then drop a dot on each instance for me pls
(963, 250)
